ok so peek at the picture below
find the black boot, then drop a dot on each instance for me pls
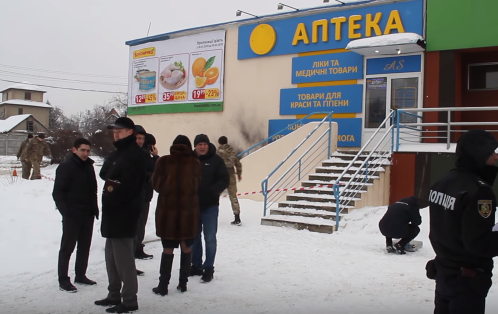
(237, 221)
(184, 271)
(66, 285)
(165, 274)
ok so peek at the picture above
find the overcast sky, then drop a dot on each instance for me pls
(86, 39)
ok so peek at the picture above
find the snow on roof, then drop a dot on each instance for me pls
(25, 86)
(22, 102)
(11, 122)
(385, 40)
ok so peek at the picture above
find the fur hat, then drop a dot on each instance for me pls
(182, 139)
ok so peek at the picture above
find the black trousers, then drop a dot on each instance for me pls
(142, 222)
(413, 232)
(75, 229)
(461, 295)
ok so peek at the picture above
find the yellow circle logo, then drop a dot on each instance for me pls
(263, 39)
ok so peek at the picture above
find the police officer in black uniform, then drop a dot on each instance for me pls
(462, 215)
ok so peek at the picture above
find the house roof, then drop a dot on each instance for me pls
(22, 102)
(25, 86)
(8, 124)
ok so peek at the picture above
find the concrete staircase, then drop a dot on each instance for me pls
(314, 209)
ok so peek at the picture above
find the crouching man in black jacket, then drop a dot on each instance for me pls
(75, 195)
(462, 213)
(122, 199)
(401, 221)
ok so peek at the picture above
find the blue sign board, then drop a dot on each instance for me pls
(306, 100)
(331, 30)
(401, 64)
(349, 130)
(327, 67)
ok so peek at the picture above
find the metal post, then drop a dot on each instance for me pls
(392, 131)
(448, 131)
(397, 130)
(330, 137)
(366, 172)
(337, 208)
(299, 173)
(264, 187)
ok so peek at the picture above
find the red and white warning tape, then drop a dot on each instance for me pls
(48, 178)
(257, 192)
(288, 189)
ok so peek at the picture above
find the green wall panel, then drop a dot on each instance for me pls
(460, 24)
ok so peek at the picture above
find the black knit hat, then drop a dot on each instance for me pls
(41, 135)
(182, 139)
(201, 138)
(149, 140)
(122, 123)
(139, 130)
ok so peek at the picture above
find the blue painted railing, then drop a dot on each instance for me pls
(303, 165)
(289, 127)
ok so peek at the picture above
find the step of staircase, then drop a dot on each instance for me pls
(327, 206)
(310, 183)
(351, 170)
(305, 212)
(325, 198)
(332, 177)
(312, 224)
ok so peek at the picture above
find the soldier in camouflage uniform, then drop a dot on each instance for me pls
(26, 166)
(35, 151)
(231, 161)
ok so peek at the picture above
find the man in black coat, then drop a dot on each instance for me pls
(401, 221)
(462, 215)
(148, 144)
(124, 175)
(214, 180)
(75, 195)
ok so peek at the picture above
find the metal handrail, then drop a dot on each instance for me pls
(441, 109)
(247, 151)
(264, 183)
(338, 194)
(418, 126)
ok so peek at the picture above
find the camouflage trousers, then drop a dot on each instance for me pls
(26, 169)
(232, 193)
(36, 169)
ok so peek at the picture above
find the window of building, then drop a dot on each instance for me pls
(29, 126)
(375, 102)
(20, 111)
(483, 76)
(27, 95)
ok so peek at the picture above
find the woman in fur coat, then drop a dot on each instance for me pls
(176, 179)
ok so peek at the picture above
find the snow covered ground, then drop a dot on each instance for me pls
(259, 269)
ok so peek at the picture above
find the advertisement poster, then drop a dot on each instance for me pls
(177, 75)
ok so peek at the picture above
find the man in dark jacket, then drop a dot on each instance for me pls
(401, 221)
(147, 142)
(75, 195)
(462, 215)
(121, 203)
(214, 180)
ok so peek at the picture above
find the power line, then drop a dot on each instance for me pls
(61, 72)
(68, 88)
(18, 74)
